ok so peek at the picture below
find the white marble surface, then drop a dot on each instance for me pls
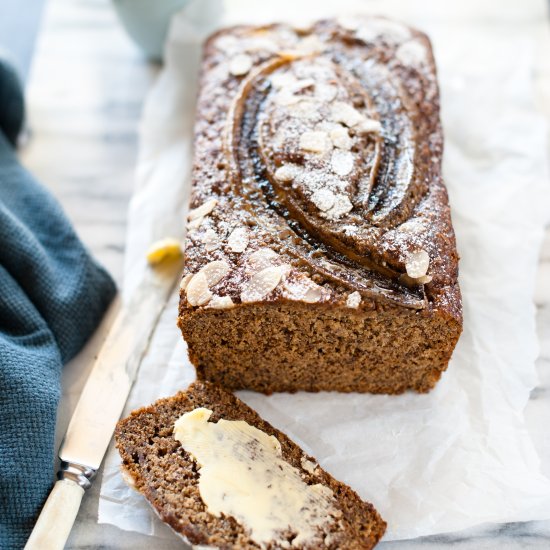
(85, 93)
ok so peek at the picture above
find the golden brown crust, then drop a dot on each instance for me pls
(344, 203)
(168, 478)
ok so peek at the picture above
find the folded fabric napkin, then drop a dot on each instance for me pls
(52, 296)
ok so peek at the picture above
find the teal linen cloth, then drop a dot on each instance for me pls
(52, 296)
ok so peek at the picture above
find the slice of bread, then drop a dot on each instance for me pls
(156, 465)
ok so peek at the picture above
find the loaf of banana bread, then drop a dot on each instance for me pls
(222, 477)
(320, 253)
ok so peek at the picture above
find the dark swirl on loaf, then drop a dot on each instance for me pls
(329, 137)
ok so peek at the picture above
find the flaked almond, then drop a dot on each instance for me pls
(417, 263)
(353, 300)
(185, 281)
(425, 279)
(313, 294)
(289, 88)
(261, 43)
(280, 80)
(302, 288)
(323, 199)
(262, 258)
(308, 465)
(413, 226)
(195, 224)
(342, 205)
(262, 283)
(315, 141)
(227, 43)
(286, 172)
(412, 53)
(215, 271)
(341, 162)
(221, 302)
(202, 210)
(210, 240)
(302, 84)
(369, 126)
(389, 31)
(198, 293)
(346, 114)
(305, 109)
(287, 97)
(238, 240)
(311, 44)
(240, 64)
(325, 92)
(340, 138)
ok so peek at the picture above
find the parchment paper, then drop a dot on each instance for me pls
(461, 455)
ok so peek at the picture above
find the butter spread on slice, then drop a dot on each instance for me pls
(243, 474)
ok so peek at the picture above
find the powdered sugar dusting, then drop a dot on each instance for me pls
(321, 139)
(315, 125)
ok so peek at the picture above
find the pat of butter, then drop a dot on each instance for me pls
(243, 474)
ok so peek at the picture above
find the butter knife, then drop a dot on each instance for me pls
(101, 404)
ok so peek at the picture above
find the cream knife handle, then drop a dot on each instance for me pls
(57, 517)
(58, 514)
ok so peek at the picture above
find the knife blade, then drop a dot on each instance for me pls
(101, 403)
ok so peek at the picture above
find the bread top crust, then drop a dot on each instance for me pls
(155, 464)
(319, 151)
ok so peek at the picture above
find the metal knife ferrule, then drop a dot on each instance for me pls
(82, 475)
